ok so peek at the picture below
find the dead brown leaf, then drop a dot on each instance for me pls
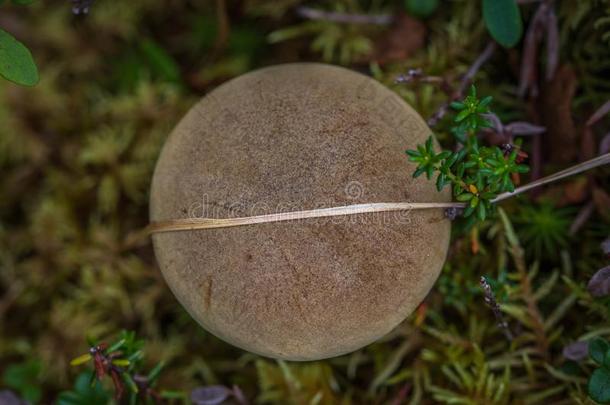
(561, 136)
(405, 36)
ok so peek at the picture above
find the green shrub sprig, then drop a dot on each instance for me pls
(122, 362)
(477, 174)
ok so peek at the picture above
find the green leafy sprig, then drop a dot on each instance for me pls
(121, 361)
(477, 174)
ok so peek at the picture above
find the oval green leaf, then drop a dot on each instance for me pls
(599, 385)
(503, 20)
(598, 348)
(421, 8)
(16, 62)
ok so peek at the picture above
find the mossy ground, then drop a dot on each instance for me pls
(76, 158)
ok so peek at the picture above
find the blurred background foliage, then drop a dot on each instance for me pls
(76, 159)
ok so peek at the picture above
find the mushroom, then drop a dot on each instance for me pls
(288, 138)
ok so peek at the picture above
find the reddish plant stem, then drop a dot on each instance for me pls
(542, 342)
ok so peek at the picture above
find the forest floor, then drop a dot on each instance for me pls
(78, 149)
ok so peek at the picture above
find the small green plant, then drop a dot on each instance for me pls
(122, 362)
(599, 382)
(477, 174)
(544, 228)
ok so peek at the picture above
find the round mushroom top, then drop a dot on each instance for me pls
(288, 138)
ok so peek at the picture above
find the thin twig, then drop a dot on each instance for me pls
(417, 75)
(583, 216)
(464, 82)
(496, 122)
(476, 66)
(522, 128)
(334, 16)
(599, 114)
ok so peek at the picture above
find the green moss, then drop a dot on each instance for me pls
(76, 158)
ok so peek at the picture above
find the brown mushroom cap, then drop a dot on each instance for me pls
(286, 138)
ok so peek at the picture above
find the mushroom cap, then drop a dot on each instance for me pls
(287, 138)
